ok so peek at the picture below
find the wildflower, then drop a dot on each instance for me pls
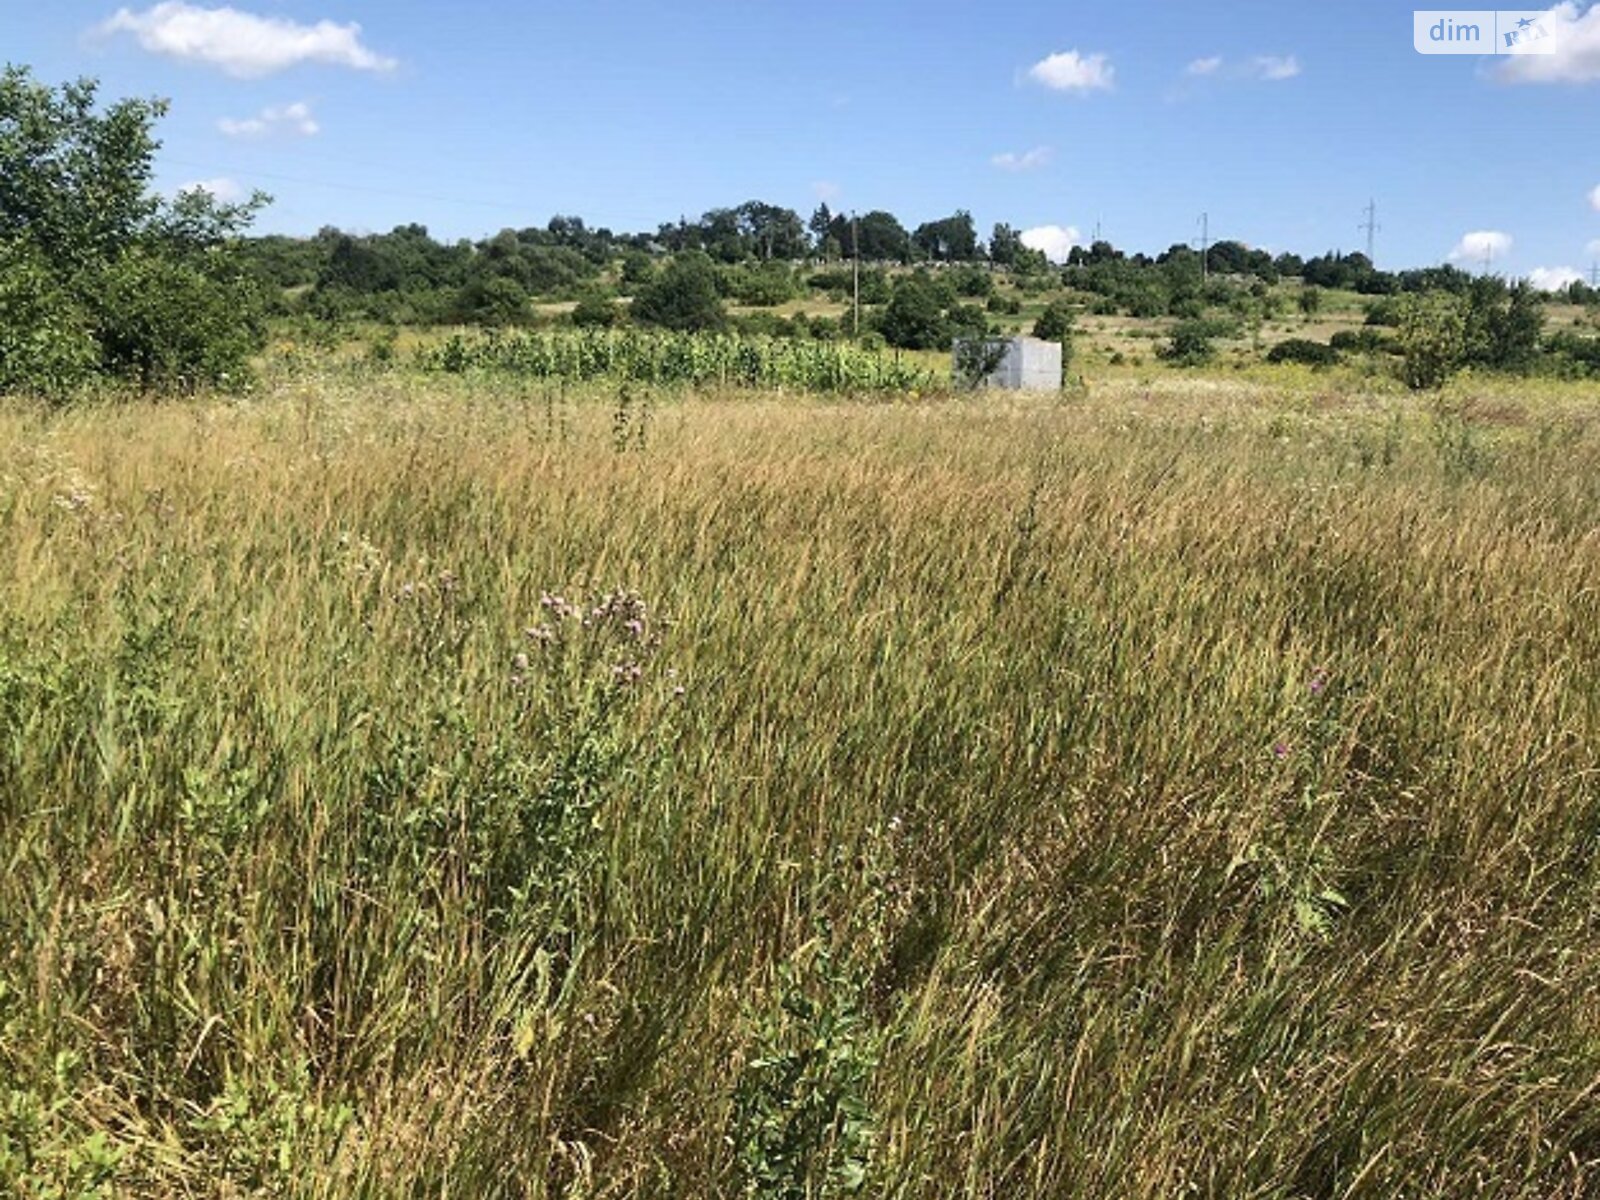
(520, 663)
(1319, 682)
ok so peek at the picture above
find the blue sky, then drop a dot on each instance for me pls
(1278, 119)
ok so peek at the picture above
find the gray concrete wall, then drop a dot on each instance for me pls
(1029, 365)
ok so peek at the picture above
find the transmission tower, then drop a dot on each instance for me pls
(1372, 228)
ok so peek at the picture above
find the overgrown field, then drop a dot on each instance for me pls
(450, 787)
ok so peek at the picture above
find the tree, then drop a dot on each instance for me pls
(1432, 337)
(1310, 300)
(954, 239)
(684, 296)
(914, 319)
(820, 224)
(1503, 325)
(1190, 344)
(772, 231)
(101, 274)
(1055, 324)
(883, 238)
(1005, 243)
(595, 310)
(494, 300)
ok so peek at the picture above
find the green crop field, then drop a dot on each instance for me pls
(431, 784)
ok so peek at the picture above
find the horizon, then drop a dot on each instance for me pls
(1060, 123)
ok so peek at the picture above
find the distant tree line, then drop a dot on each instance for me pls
(99, 277)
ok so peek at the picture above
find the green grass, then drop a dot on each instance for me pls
(1189, 789)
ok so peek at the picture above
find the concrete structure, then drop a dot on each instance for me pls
(1029, 365)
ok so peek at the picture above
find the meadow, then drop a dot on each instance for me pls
(431, 784)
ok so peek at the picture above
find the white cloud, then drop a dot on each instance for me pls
(1553, 279)
(293, 118)
(1204, 66)
(1480, 245)
(1593, 248)
(226, 191)
(1056, 241)
(1273, 68)
(826, 190)
(1577, 50)
(241, 43)
(1594, 198)
(1070, 71)
(1026, 161)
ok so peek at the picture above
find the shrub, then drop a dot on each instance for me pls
(682, 297)
(595, 310)
(47, 343)
(493, 300)
(1361, 341)
(1055, 323)
(914, 318)
(165, 323)
(1432, 339)
(1303, 350)
(96, 273)
(1190, 344)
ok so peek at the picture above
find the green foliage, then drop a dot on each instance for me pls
(1366, 340)
(976, 359)
(171, 323)
(802, 1127)
(47, 342)
(684, 297)
(684, 358)
(1432, 339)
(1056, 324)
(1303, 350)
(493, 300)
(914, 318)
(1190, 344)
(595, 310)
(100, 275)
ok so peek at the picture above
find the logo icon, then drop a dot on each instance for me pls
(1484, 31)
(1527, 32)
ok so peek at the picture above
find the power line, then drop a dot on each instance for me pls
(347, 187)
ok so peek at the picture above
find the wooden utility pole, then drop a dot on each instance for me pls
(855, 255)
(1205, 246)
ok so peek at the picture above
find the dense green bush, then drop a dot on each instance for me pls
(683, 297)
(1303, 350)
(1055, 323)
(97, 274)
(914, 317)
(47, 341)
(595, 309)
(169, 323)
(1361, 341)
(1190, 344)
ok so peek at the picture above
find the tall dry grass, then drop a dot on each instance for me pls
(441, 788)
